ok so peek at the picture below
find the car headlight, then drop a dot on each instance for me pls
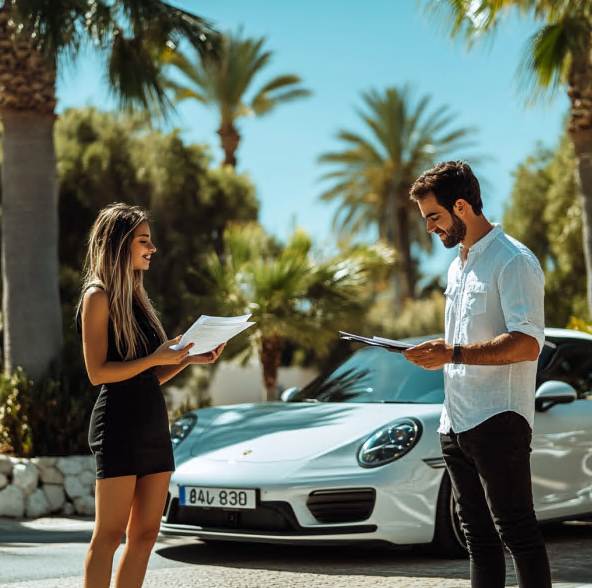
(181, 428)
(389, 443)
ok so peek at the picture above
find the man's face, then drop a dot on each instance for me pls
(449, 227)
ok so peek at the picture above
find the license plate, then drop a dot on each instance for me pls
(232, 498)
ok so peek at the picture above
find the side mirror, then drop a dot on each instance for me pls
(553, 392)
(289, 393)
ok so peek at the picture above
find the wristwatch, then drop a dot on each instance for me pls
(456, 354)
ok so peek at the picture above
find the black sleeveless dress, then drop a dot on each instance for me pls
(129, 429)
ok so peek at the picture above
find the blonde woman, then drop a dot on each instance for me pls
(127, 352)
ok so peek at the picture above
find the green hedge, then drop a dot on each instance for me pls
(49, 418)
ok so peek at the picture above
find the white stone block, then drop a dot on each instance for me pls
(75, 488)
(87, 478)
(85, 505)
(55, 496)
(12, 502)
(51, 475)
(68, 509)
(26, 477)
(70, 466)
(90, 463)
(36, 504)
(6, 465)
(3, 481)
(45, 462)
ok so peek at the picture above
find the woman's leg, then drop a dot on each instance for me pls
(142, 530)
(113, 504)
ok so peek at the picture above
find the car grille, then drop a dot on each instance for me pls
(342, 506)
(270, 518)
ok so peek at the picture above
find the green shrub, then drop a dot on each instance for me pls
(419, 317)
(49, 418)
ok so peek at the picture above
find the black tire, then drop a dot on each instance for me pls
(449, 540)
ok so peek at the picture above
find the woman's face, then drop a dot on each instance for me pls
(142, 247)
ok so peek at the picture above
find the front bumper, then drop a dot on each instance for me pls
(391, 504)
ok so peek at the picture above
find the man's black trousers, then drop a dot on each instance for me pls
(489, 467)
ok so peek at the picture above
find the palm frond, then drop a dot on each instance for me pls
(550, 54)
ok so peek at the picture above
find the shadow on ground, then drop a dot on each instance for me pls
(568, 544)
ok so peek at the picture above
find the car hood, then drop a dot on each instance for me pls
(274, 432)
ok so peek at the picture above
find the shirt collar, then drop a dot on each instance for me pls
(484, 242)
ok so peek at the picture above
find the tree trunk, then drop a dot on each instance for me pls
(580, 129)
(30, 301)
(271, 355)
(405, 251)
(582, 141)
(230, 139)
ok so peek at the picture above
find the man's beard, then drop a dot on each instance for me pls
(456, 233)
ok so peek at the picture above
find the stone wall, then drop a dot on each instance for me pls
(41, 486)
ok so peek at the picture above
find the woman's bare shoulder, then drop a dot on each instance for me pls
(96, 300)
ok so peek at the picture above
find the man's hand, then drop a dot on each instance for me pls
(431, 355)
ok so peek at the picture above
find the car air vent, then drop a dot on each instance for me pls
(342, 506)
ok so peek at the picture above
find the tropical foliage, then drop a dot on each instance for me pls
(224, 82)
(544, 213)
(35, 36)
(374, 172)
(557, 57)
(294, 296)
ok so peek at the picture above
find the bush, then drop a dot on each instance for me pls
(419, 317)
(49, 418)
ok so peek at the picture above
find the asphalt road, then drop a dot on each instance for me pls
(49, 553)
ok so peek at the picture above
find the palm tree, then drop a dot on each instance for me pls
(223, 83)
(558, 56)
(373, 175)
(293, 296)
(34, 36)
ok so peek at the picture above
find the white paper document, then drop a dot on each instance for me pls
(390, 344)
(208, 332)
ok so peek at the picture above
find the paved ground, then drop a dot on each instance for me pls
(49, 554)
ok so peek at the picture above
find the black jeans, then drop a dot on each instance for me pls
(489, 467)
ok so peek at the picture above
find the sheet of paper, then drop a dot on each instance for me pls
(208, 332)
(393, 342)
(389, 344)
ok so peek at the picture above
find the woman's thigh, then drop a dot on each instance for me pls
(113, 498)
(147, 506)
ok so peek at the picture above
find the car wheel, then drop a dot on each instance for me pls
(449, 539)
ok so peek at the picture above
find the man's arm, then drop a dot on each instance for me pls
(503, 350)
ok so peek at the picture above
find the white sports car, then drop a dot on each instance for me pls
(354, 456)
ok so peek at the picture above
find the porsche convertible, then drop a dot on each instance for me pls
(354, 456)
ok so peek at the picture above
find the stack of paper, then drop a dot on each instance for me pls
(208, 332)
(390, 344)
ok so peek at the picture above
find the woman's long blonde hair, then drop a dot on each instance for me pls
(109, 265)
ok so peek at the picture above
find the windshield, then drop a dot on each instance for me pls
(374, 375)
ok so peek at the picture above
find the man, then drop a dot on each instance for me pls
(493, 336)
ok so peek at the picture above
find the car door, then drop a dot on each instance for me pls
(561, 461)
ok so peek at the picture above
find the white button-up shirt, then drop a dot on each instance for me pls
(499, 289)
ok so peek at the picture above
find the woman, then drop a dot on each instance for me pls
(125, 350)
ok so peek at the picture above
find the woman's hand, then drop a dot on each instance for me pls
(164, 355)
(209, 357)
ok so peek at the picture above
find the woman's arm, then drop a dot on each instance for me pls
(165, 372)
(95, 325)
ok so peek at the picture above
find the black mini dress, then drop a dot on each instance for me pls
(129, 429)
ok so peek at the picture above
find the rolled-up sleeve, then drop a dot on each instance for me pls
(522, 292)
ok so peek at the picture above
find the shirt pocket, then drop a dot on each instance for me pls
(476, 298)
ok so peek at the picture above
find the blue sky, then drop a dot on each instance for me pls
(341, 48)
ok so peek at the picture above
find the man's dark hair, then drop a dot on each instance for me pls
(449, 181)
